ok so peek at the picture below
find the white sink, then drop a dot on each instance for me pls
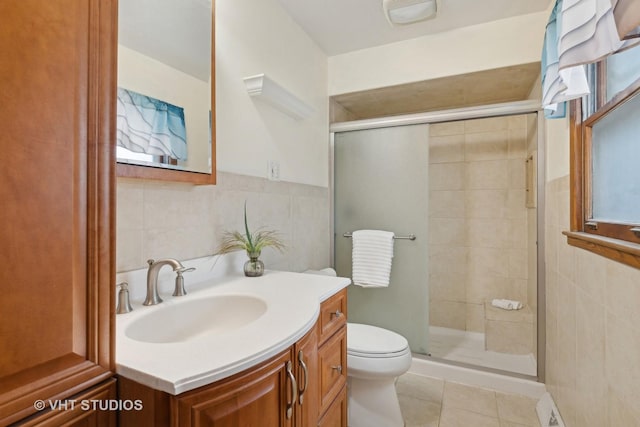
(184, 321)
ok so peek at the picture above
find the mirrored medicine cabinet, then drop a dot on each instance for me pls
(166, 90)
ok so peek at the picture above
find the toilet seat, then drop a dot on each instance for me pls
(373, 342)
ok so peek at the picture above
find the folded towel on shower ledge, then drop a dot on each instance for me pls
(507, 304)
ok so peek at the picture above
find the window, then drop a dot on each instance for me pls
(605, 169)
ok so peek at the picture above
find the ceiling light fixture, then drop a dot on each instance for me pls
(401, 12)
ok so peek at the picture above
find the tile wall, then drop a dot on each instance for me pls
(159, 220)
(479, 239)
(592, 327)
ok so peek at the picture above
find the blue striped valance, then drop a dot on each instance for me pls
(148, 125)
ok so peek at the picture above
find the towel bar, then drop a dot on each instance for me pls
(409, 237)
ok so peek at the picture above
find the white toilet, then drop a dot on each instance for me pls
(375, 358)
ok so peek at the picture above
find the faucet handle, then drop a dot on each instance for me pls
(124, 306)
(179, 289)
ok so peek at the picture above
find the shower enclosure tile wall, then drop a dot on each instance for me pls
(479, 244)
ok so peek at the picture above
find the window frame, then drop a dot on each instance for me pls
(612, 240)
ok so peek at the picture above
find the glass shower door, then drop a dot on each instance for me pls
(381, 183)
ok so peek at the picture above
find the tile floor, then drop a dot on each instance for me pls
(431, 402)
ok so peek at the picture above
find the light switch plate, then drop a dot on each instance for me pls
(273, 172)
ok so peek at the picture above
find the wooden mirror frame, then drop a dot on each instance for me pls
(124, 170)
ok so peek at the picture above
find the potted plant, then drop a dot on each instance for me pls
(252, 243)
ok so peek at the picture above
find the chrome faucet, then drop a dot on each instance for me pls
(152, 279)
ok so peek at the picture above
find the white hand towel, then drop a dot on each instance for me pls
(507, 304)
(372, 252)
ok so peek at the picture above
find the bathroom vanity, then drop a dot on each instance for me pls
(285, 367)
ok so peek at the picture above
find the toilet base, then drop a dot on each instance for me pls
(373, 403)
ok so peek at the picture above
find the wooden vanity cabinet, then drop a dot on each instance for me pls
(307, 377)
(57, 189)
(336, 414)
(332, 360)
(256, 397)
(262, 395)
(333, 368)
(333, 315)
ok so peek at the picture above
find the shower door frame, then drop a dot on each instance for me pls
(479, 112)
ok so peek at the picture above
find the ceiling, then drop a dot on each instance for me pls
(340, 26)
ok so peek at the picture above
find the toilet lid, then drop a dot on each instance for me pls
(372, 341)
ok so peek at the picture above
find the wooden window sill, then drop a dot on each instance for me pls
(617, 250)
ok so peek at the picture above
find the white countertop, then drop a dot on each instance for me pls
(293, 304)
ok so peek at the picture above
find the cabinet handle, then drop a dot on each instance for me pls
(336, 313)
(338, 368)
(306, 376)
(294, 391)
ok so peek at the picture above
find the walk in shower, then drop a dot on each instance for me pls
(464, 182)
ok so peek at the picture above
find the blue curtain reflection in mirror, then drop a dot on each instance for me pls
(150, 126)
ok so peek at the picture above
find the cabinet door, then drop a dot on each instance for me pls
(257, 399)
(56, 186)
(336, 415)
(333, 315)
(306, 358)
(333, 368)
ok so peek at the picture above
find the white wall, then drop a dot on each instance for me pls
(502, 43)
(150, 77)
(254, 37)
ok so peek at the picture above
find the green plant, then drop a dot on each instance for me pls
(253, 243)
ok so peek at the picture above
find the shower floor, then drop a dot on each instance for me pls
(468, 347)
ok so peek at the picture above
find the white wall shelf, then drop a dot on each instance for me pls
(262, 87)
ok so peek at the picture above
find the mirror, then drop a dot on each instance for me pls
(166, 75)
